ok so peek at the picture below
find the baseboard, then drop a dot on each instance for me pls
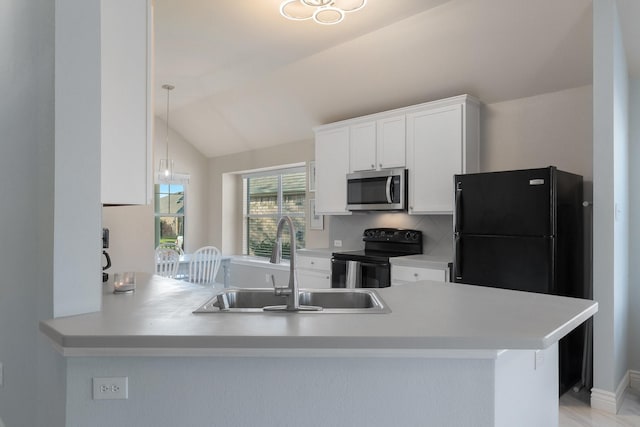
(634, 380)
(611, 402)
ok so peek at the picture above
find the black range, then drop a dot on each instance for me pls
(370, 268)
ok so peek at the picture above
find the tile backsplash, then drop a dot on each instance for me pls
(437, 230)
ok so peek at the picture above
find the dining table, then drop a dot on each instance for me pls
(225, 265)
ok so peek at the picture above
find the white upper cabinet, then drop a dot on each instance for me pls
(434, 141)
(377, 144)
(391, 142)
(362, 147)
(441, 141)
(332, 166)
(126, 156)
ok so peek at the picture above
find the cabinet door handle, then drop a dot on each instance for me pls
(373, 166)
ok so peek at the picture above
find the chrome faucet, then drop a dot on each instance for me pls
(291, 291)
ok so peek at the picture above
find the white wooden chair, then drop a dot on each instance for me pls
(204, 265)
(171, 245)
(167, 262)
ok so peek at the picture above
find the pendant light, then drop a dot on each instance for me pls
(166, 164)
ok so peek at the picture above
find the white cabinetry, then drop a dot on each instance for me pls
(126, 156)
(362, 147)
(377, 144)
(434, 141)
(442, 140)
(390, 146)
(402, 274)
(332, 166)
(313, 272)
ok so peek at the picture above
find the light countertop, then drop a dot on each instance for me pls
(157, 319)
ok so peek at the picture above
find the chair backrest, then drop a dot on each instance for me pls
(167, 262)
(171, 245)
(204, 265)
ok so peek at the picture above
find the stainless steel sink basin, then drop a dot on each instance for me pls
(347, 299)
(331, 301)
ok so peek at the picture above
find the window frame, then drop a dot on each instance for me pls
(157, 215)
(246, 216)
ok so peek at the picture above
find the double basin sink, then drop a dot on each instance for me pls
(330, 300)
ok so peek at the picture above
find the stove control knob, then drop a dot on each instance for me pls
(411, 235)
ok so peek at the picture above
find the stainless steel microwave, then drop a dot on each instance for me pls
(383, 190)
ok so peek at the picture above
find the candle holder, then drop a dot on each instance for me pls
(124, 282)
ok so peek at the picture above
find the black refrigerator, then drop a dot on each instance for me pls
(523, 230)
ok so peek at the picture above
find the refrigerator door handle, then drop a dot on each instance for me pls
(458, 207)
(457, 269)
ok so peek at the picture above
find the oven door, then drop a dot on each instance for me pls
(360, 274)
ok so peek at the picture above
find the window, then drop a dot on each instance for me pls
(268, 196)
(169, 209)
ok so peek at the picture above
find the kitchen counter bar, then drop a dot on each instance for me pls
(427, 318)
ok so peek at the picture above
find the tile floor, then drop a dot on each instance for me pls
(576, 412)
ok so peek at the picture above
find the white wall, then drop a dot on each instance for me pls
(610, 200)
(77, 232)
(131, 228)
(549, 129)
(286, 392)
(26, 226)
(131, 240)
(634, 226)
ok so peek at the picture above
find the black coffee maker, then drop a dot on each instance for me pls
(105, 245)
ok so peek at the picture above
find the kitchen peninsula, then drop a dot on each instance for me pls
(447, 354)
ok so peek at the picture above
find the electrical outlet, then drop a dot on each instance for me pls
(110, 388)
(337, 243)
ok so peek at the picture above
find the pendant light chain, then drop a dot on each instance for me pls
(169, 88)
(168, 167)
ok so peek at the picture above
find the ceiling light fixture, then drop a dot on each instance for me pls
(166, 164)
(326, 12)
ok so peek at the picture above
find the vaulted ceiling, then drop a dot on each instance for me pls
(246, 78)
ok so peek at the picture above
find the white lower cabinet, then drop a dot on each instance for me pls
(313, 272)
(401, 274)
